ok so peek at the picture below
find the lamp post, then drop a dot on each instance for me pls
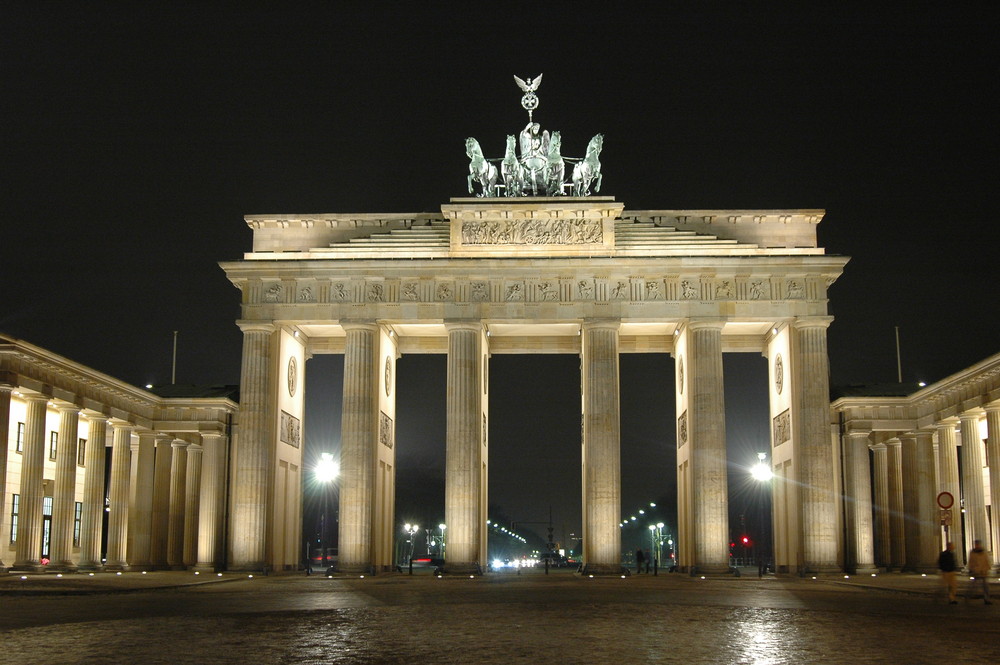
(326, 472)
(411, 531)
(761, 472)
(442, 527)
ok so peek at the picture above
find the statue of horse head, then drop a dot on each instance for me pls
(596, 144)
(472, 148)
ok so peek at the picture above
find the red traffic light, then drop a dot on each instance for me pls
(746, 541)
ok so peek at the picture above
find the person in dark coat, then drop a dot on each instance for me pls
(946, 563)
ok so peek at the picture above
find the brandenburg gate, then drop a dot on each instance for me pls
(533, 274)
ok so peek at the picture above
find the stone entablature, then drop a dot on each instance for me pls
(972, 389)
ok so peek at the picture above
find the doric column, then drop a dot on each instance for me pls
(211, 505)
(160, 523)
(993, 455)
(192, 499)
(707, 432)
(64, 493)
(29, 522)
(93, 494)
(817, 493)
(357, 442)
(897, 525)
(254, 463)
(972, 481)
(948, 481)
(463, 475)
(178, 485)
(858, 503)
(601, 446)
(118, 496)
(5, 391)
(141, 517)
(925, 510)
(883, 531)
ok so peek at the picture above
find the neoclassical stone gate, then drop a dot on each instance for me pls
(533, 275)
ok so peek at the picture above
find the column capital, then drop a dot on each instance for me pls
(704, 323)
(256, 326)
(463, 324)
(968, 415)
(359, 324)
(195, 448)
(117, 423)
(992, 408)
(179, 443)
(96, 417)
(801, 322)
(67, 408)
(878, 447)
(34, 397)
(894, 442)
(602, 323)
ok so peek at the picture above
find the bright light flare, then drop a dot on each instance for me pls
(761, 472)
(327, 469)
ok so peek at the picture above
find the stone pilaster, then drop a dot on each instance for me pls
(993, 455)
(118, 496)
(972, 481)
(29, 522)
(925, 511)
(211, 506)
(948, 481)
(192, 497)
(64, 493)
(359, 429)
(897, 524)
(707, 426)
(5, 392)
(141, 517)
(601, 446)
(463, 476)
(254, 455)
(818, 494)
(93, 494)
(883, 531)
(858, 503)
(175, 520)
(160, 524)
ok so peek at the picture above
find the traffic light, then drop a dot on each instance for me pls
(746, 541)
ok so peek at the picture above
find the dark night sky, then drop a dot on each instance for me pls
(135, 139)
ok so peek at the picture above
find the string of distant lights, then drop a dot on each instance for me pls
(504, 530)
(634, 518)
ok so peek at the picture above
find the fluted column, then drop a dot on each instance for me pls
(897, 525)
(883, 530)
(5, 391)
(118, 504)
(707, 427)
(192, 500)
(141, 517)
(463, 476)
(601, 446)
(858, 508)
(178, 488)
(925, 510)
(817, 495)
(357, 442)
(29, 524)
(972, 481)
(93, 494)
(160, 523)
(64, 493)
(948, 482)
(254, 456)
(993, 455)
(210, 505)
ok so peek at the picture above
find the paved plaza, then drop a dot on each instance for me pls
(498, 618)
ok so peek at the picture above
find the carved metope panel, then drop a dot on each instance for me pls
(682, 429)
(384, 429)
(782, 428)
(290, 429)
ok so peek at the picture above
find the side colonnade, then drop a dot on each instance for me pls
(933, 455)
(159, 504)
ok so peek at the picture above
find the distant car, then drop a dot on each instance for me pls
(315, 562)
(423, 563)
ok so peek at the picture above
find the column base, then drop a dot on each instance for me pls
(62, 567)
(866, 570)
(117, 567)
(348, 568)
(28, 568)
(461, 568)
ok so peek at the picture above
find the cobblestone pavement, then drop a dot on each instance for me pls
(499, 618)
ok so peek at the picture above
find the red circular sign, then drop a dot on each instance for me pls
(945, 500)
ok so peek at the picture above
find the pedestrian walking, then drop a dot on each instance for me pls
(946, 563)
(649, 561)
(979, 568)
(639, 559)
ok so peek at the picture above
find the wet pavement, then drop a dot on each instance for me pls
(174, 617)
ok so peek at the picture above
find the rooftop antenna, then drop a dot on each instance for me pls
(173, 368)
(899, 363)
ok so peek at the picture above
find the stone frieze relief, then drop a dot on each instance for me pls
(533, 232)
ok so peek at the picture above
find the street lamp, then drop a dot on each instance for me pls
(761, 472)
(326, 472)
(411, 531)
(442, 527)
